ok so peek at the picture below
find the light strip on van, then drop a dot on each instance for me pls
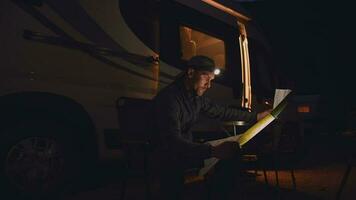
(246, 100)
(227, 10)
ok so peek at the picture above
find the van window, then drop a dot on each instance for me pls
(194, 42)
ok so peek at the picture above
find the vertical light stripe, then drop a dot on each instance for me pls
(246, 100)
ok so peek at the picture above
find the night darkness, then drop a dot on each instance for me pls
(313, 45)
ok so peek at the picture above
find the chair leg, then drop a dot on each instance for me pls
(265, 175)
(277, 179)
(147, 189)
(207, 186)
(275, 170)
(123, 189)
(279, 192)
(263, 170)
(146, 176)
(293, 180)
(125, 179)
(242, 186)
(343, 181)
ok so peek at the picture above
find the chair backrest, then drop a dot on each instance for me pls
(134, 118)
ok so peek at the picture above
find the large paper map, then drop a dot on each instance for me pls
(280, 102)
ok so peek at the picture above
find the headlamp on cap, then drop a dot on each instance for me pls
(217, 71)
(203, 63)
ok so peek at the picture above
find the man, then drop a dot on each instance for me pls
(176, 109)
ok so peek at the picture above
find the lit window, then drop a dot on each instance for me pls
(303, 109)
(197, 43)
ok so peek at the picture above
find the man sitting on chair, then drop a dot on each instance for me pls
(176, 109)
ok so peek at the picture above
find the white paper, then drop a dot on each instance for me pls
(241, 139)
(279, 95)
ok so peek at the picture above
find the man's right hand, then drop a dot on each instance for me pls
(225, 150)
(263, 114)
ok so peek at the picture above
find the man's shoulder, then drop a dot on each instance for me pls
(171, 91)
(167, 95)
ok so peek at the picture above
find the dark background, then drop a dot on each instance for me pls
(313, 43)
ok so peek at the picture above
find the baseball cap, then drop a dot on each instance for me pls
(201, 63)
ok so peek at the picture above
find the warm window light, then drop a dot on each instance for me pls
(217, 71)
(303, 109)
(246, 99)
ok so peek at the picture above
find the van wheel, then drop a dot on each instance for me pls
(39, 158)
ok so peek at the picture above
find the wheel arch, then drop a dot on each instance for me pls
(43, 105)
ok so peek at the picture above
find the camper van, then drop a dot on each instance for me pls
(65, 63)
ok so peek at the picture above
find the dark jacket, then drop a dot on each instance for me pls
(176, 110)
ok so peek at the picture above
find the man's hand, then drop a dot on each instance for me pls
(263, 114)
(225, 150)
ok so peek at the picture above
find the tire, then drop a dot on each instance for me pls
(39, 159)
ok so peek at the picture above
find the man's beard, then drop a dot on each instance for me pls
(200, 92)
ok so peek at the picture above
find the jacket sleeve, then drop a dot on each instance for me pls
(168, 123)
(221, 112)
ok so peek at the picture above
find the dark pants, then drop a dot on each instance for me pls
(220, 184)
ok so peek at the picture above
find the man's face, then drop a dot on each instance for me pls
(201, 80)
